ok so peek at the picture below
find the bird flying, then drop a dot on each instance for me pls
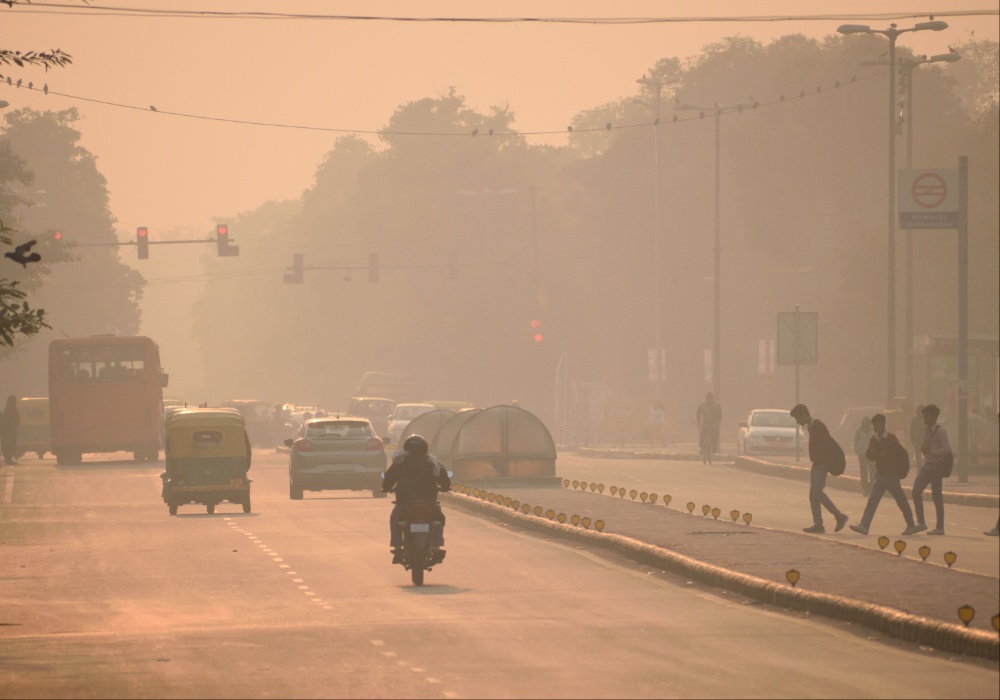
(21, 255)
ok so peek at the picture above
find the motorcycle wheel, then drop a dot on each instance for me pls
(417, 575)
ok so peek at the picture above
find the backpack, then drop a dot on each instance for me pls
(900, 459)
(836, 461)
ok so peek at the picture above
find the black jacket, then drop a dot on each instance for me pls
(415, 478)
(880, 452)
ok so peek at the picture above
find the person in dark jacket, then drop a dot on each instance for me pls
(883, 449)
(820, 450)
(414, 475)
(9, 423)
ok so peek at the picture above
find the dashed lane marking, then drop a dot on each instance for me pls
(8, 489)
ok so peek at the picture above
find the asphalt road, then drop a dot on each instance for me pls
(105, 595)
(783, 504)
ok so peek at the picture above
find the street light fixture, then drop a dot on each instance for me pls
(907, 66)
(656, 84)
(718, 110)
(892, 33)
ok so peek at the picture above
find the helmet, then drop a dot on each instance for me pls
(415, 445)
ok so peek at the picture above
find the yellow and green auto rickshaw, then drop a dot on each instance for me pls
(207, 458)
(33, 433)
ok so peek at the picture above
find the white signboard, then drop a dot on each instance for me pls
(928, 199)
(798, 339)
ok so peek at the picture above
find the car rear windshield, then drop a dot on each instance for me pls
(775, 419)
(338, 429)
(373, 408)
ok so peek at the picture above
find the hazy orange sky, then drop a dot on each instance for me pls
(168, 171)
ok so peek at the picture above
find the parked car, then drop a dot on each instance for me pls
(376, 409)
(336, 453)
(402, 415)
(769, 431)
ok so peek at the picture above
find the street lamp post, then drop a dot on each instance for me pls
(907, 66)
(656, 84)
(718, 110)
(892, 33)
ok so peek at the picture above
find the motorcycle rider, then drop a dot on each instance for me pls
(414, 475)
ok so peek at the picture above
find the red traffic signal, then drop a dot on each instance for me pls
(536, 326)
(142, 242)
(223, 242)
(57, 235)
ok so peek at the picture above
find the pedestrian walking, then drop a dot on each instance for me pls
(9, 423)
(938, 462)
(892, 463)
(827, 458)
(709, 417)
(862, 440)
(995, 532)
(916, 436)
(654, 424)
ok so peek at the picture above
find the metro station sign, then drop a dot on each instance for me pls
(928, 199)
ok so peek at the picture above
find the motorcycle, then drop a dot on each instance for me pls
(420, 524)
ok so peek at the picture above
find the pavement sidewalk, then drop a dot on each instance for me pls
(982, 489)
(900, 595)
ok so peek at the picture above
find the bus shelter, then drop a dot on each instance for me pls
(427, 425)
(497, 442)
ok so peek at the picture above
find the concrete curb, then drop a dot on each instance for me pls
(895, 623)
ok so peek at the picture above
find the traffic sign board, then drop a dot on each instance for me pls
(928, 198)
(798, 341)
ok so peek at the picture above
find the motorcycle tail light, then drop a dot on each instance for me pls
(302, 445)
(373, 445)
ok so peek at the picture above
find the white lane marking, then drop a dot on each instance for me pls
(296, 580)
(285, 566)
(390, 654)
(417, 669)
(378, 643)
(278, 559)
(449, 694)
(291, 573)
(304, 588)
(432, 680)
(309, 592)
(328, 607)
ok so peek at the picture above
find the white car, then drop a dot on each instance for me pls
(768, 431)
(401, 417)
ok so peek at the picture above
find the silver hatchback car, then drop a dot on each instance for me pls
(336, 453)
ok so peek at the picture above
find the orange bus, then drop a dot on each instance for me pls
(105, 395)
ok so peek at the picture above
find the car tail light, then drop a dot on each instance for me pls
(302, 445)
(374, 444)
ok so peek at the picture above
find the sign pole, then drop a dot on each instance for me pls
(963, 319)
(797, 363)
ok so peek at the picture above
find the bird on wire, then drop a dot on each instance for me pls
(21, 255)
(152, 108)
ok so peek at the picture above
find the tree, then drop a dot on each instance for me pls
(17, 318)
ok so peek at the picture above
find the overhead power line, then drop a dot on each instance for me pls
(792, 96)
(116, 11)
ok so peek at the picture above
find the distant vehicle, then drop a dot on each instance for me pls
(105, 395)
(377, 409)
(402, 415)
(769, 431)
(33, 432)
(336, 453)
(401, 388)
(261, 424)
(455, 406)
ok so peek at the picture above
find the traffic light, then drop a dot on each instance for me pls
(57, 235)
(223, 242)
(296, 276)
(536, 330)
(373, 267)
(142, 242)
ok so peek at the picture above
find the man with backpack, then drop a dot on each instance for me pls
(938, 462)
(827, 457)
(892, 463)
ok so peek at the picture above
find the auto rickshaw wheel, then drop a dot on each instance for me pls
(246, 504)
(172, 508)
